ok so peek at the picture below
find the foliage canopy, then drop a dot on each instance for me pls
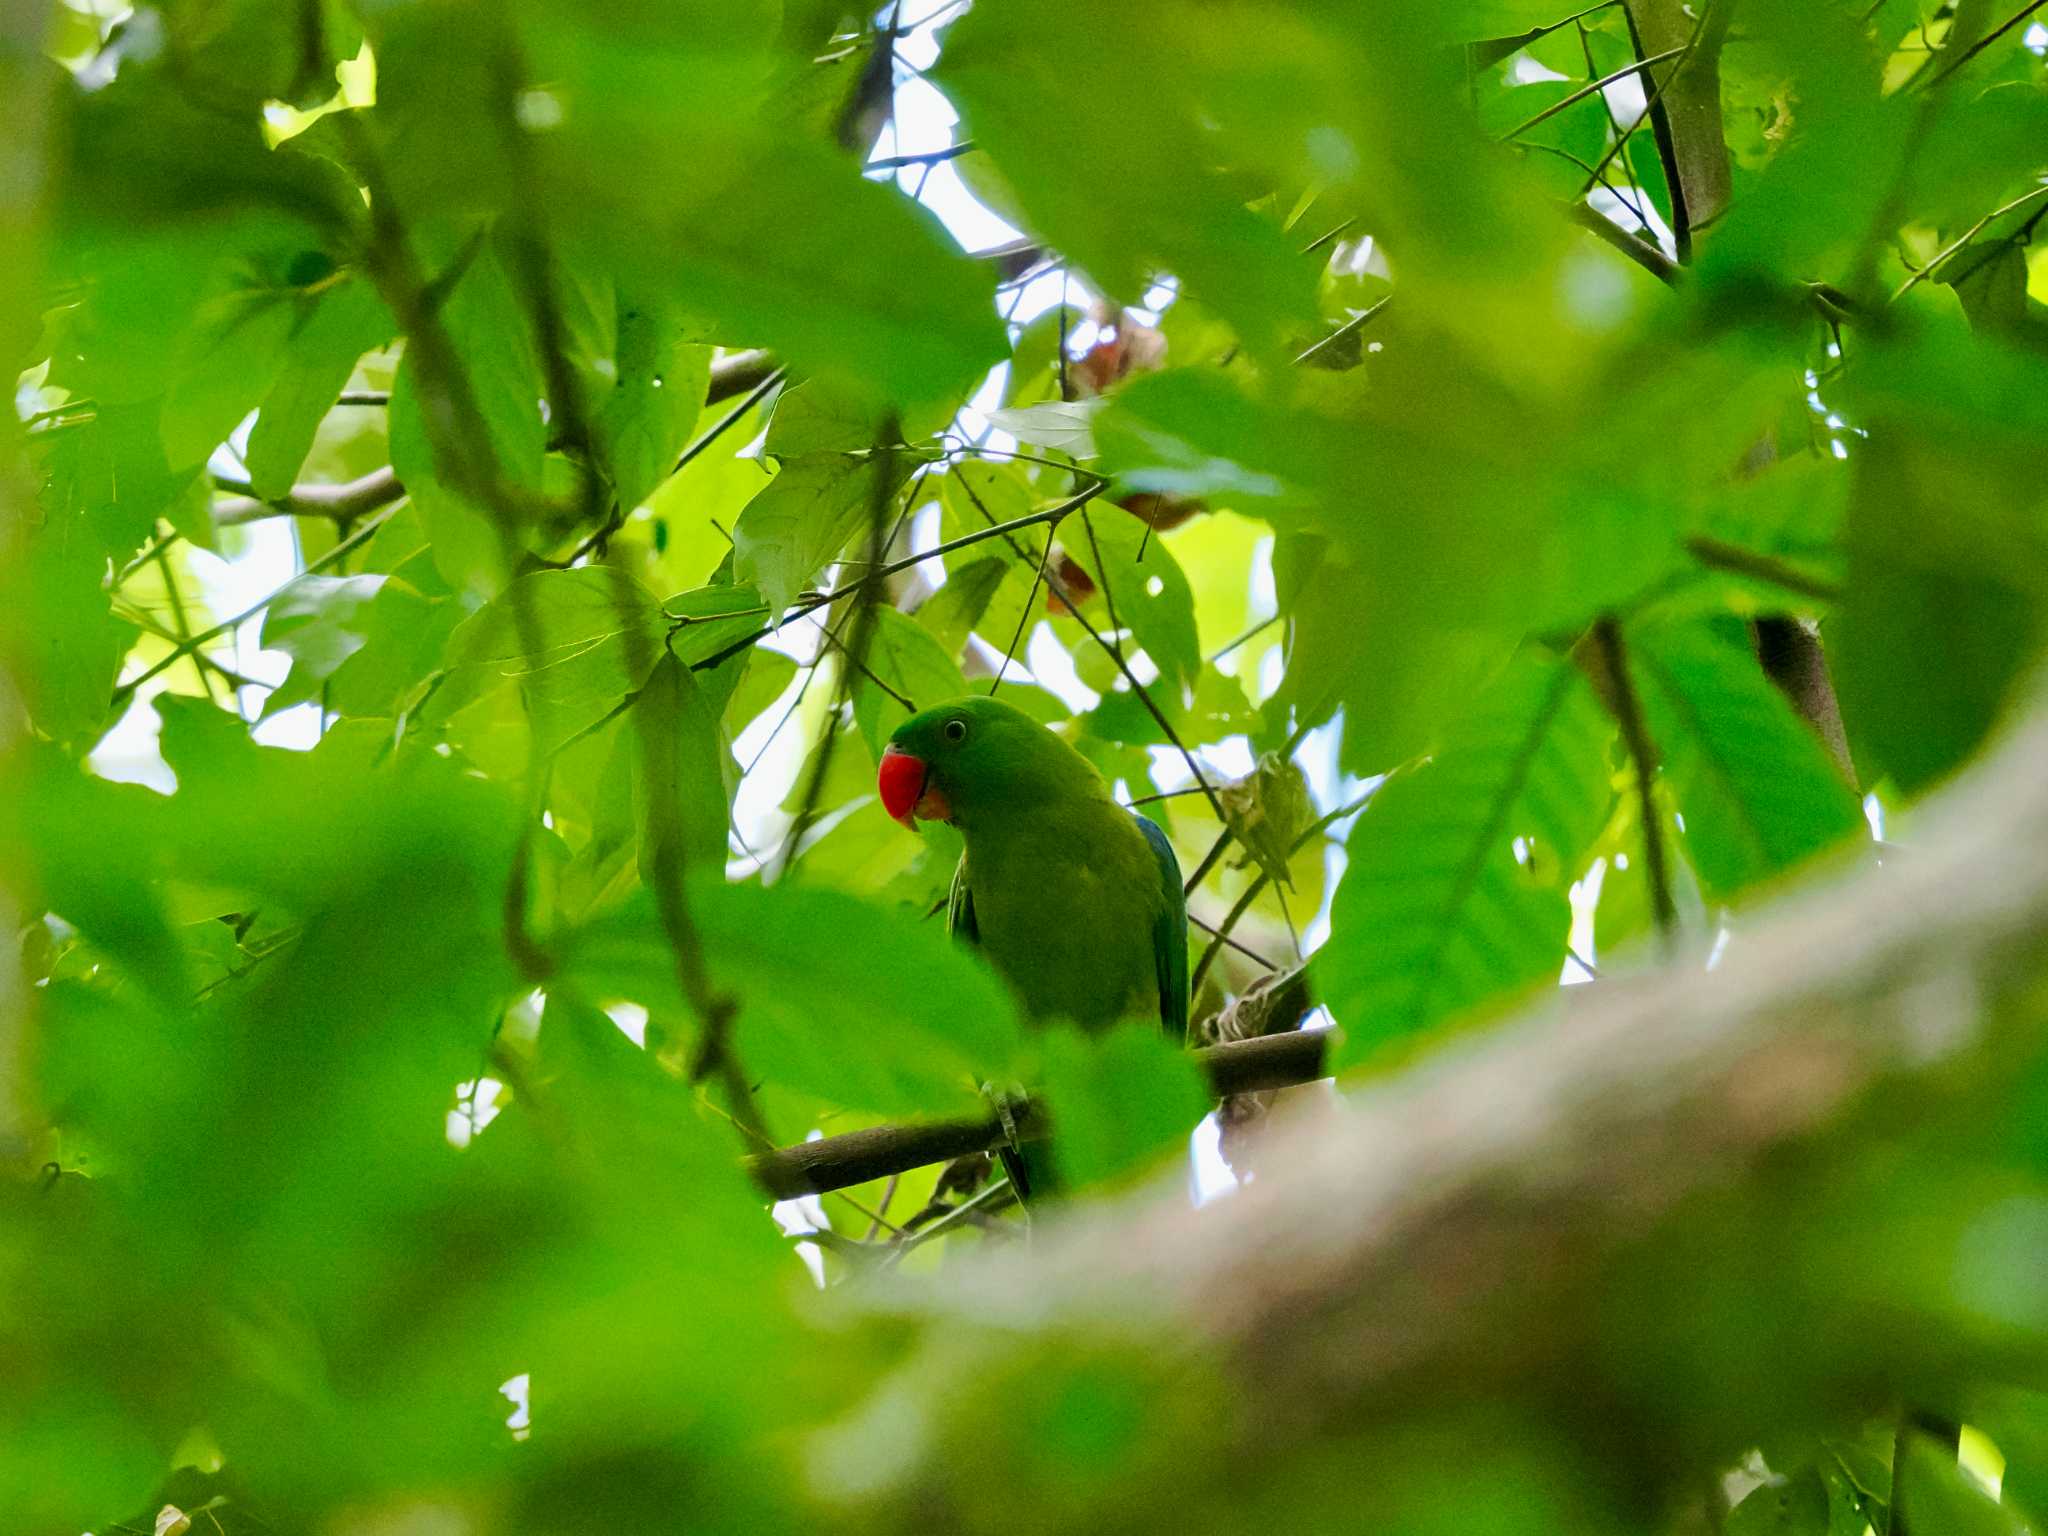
(1429, 456)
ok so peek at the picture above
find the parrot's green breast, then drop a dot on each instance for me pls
(1066, 908)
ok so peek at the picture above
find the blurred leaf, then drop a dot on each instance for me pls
(60, 619)
(1943, 1497)
(576, 643)
(1454, 896)
(320, 622)
(1796, 1507)
(487, 324)
(1122, 1100)
(1757, 790)
(864, 1008)
(346, 321)
(1172, 210)
(680, 781)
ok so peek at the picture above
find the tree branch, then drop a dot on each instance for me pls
(1278, 1060)
(742, 373)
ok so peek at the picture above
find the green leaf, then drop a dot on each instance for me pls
(1756, 789)
(1122, 1102)
(1454, 896)
(954, 611)
(224, 367)
(862, 1007)
(1794, 1507)
(1943, 1497)
(320, 622)
(643, 421)
(1193, 432)
(487, 326)
(807, 516)
(1142, 586)
(865, 288)
(346, 321)
(1172, 210)
(679, 779)
(706, 620)
(1930, 645)
(70, 641)
(575, 643)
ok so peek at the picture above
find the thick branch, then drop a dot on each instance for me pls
(344, 503)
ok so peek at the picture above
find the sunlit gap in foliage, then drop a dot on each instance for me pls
(519, 1393)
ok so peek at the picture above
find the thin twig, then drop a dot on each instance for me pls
(1721, 556)
(930, 157)
(1350, 327)
(1617, 691)
(340, 552)
(1588, 89)
(1966, 237)
(1984, 42)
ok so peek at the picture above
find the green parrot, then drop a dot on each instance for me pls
(1076, 900)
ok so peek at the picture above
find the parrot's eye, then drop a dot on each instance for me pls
(956, 730)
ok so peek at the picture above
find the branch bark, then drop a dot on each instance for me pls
(840, 1162)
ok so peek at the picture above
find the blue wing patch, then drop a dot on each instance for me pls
(1169, 933)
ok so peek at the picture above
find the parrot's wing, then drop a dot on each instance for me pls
(960, 922)
(1169, 933)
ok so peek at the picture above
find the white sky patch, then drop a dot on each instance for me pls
(519, 1393)
(476, 1106)
(1054, 669)
(1209, 1177)
(631, 1019)
(804, 1214)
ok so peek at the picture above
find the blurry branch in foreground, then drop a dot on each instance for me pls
(1616, 1218)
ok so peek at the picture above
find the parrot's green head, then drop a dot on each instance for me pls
(976, 756)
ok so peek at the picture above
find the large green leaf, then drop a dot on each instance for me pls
(860, 1006)
(346, 321)
(1123, 1100)
(575, 643)
(487, 325)
(867, 288)
(1454, 896)
(1142, 586)
(680, 782)
(1755, 787)
(807, 516)
(1172, 210)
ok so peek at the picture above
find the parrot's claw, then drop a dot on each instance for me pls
(1003, 1102)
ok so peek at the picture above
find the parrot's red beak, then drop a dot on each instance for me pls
(905, 795)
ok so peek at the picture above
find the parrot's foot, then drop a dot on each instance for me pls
(1003, 1103)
